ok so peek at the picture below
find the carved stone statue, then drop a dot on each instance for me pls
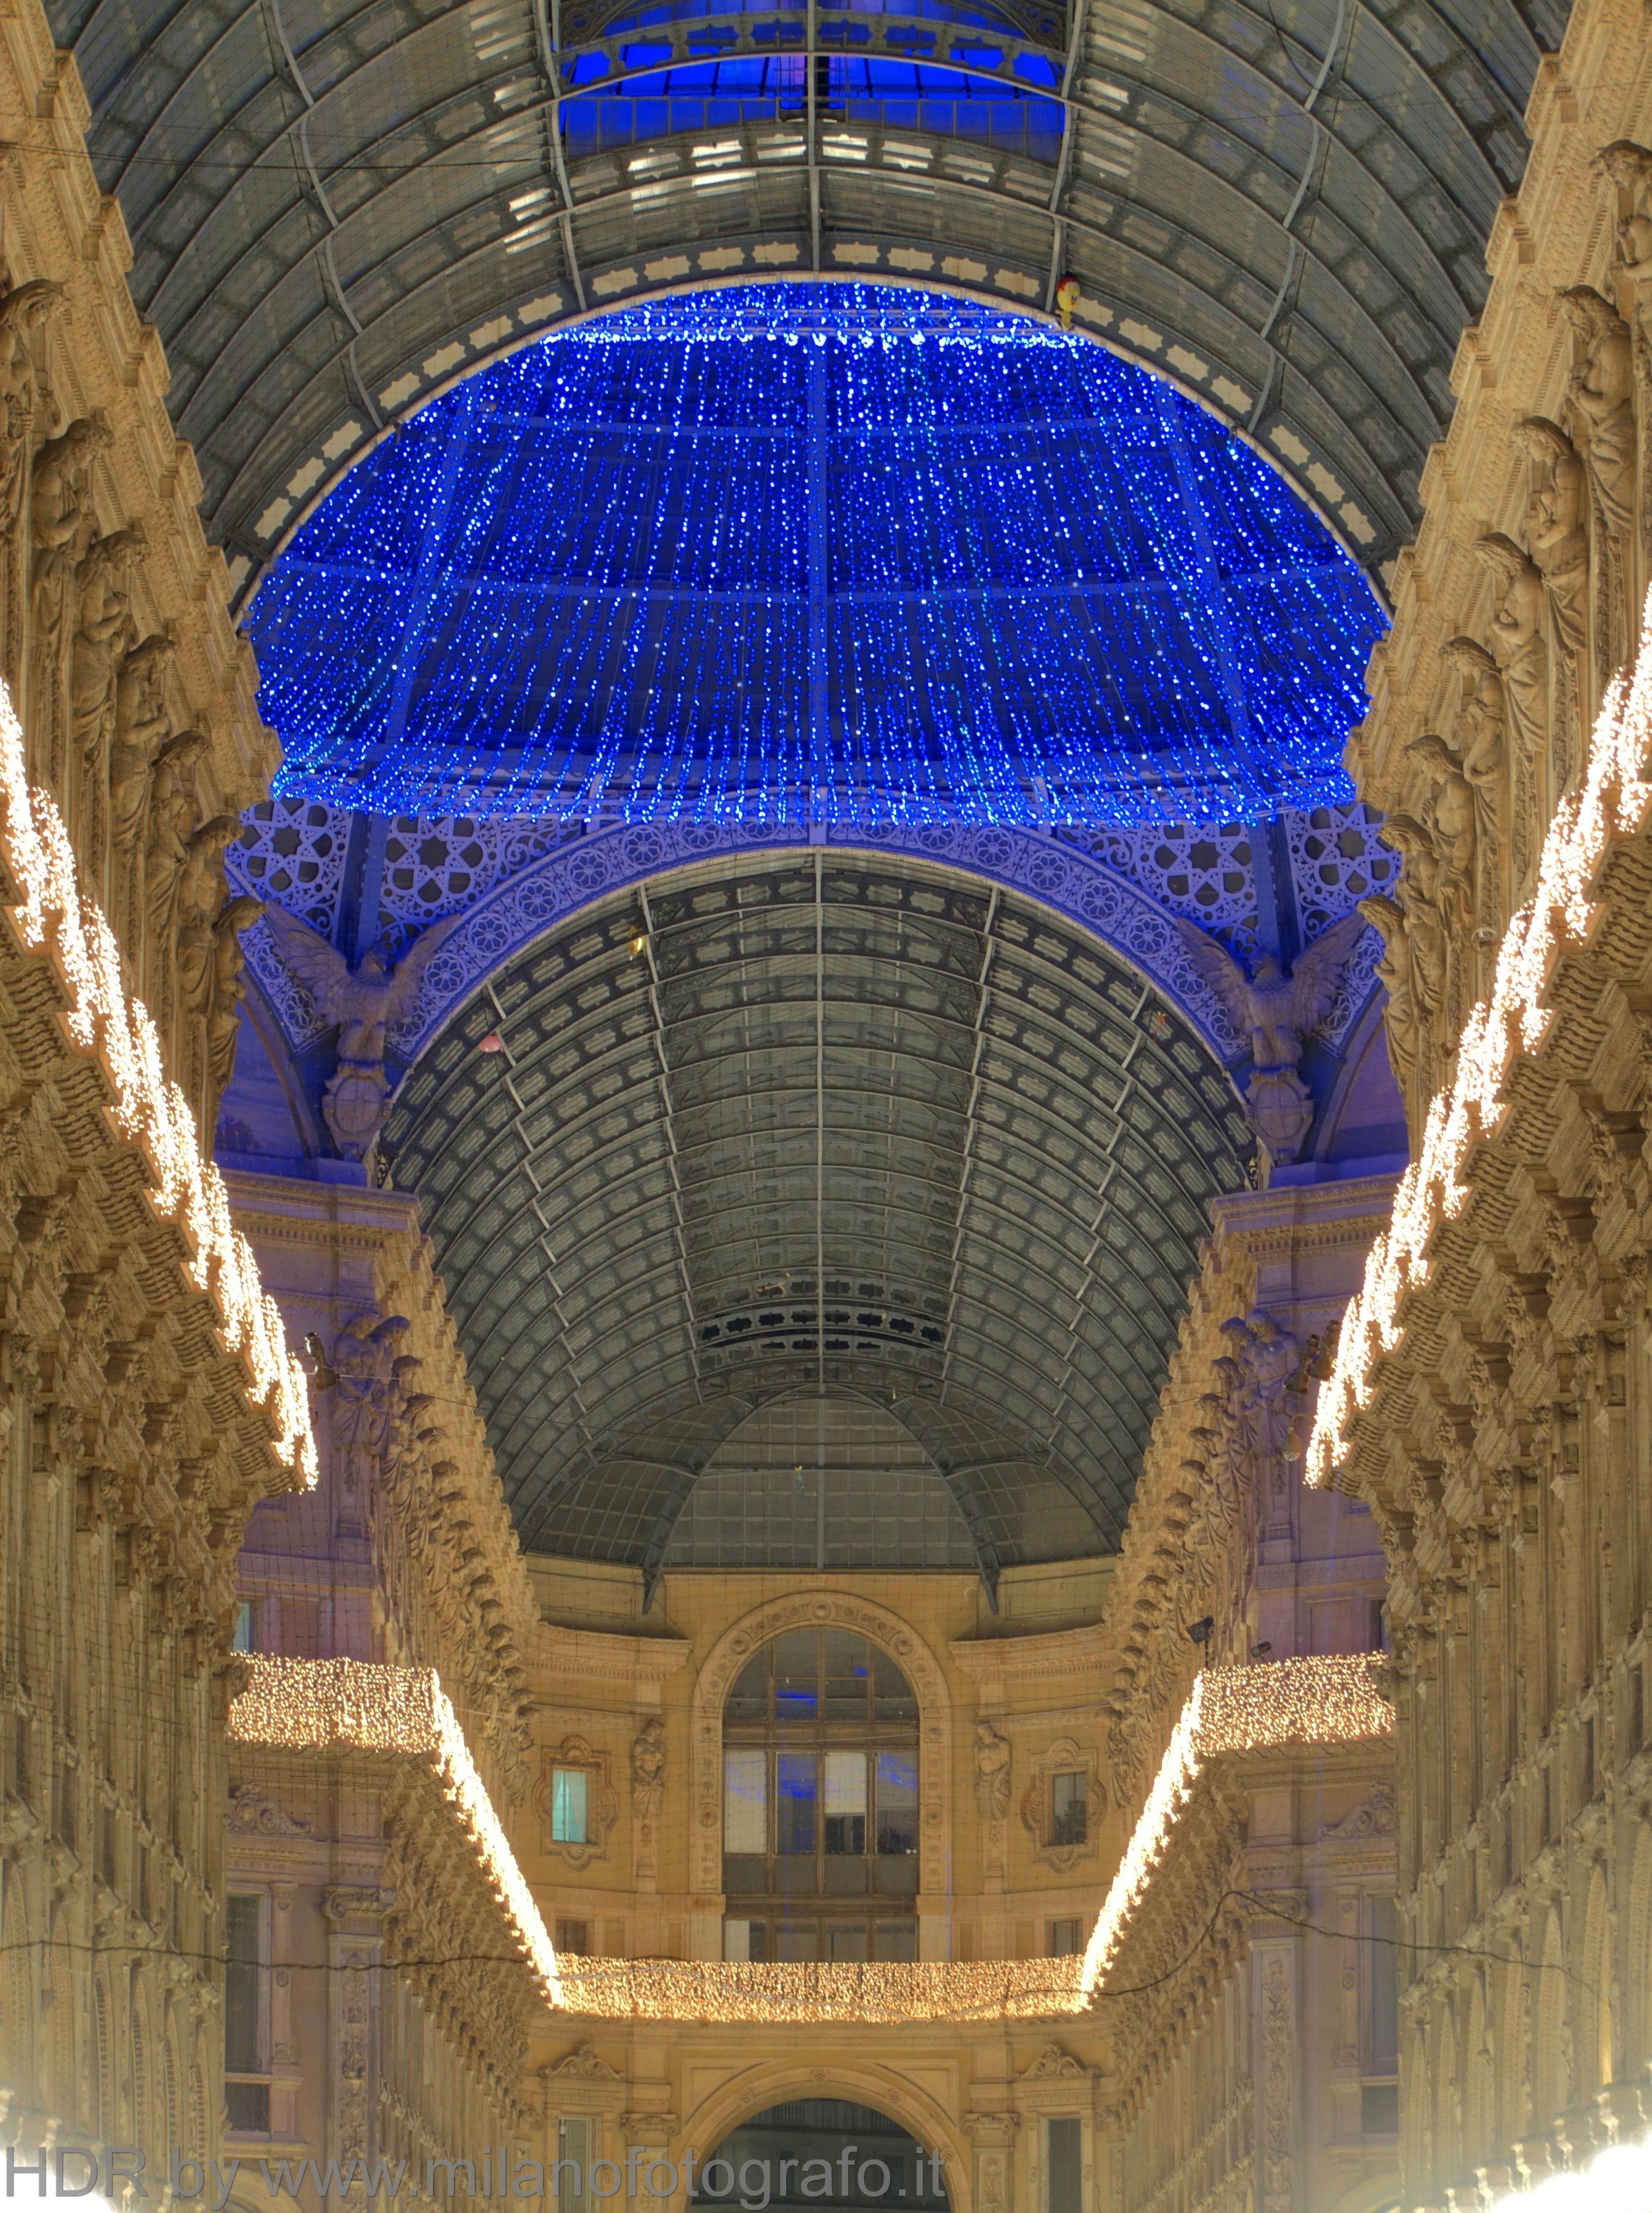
(25, 308)
(1482, 731)
(228, 990)
(142, 725)
(60, 512)
(1630, 168)
(1557, 526)
(1522, 656)
(200, 897)
(365, 1406)
(1278, 1011)
(366, 1002)
(992, 1757)
(647, 1767)
(1600, 403)
(169, 820)
(1450, 814)
(1425, 911)
(104, 629)
(1394, 975)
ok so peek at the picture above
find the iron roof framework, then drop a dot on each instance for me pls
(336, 205)
(807, 1125)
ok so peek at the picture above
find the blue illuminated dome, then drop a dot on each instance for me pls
(815, 550)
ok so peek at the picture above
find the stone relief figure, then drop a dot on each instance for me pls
(1630, 168)
(200, 895)
(1426, 926)
(60, 512)
(1481, 726)
(366, 1002)
(142, 724)
(1519, 646)
(992, 1757)
(104, 629)
(169, 818)
(1394, 975)
(1557, 526)
(1278, 1011)
(228, 989)
(24, 310)
(364, 1407)
(1600, 403)
(647, 1767)
(1449, 814)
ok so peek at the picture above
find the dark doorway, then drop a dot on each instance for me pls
(822, 2156)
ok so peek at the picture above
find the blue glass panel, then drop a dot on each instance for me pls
(796, 1791)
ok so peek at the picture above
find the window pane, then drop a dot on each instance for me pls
(846, 1940)
(795, 1787)
(744, 1799)
(1063, 1940)
(796, 1940)
(1062, 2148)
(1384, 1986)
(894, 1693)
(797, 1675)
(242, 1641)
(849, 1673)
(573, 2164)
(1068, 1809)
(243, 1918)
(247, 2104)
(736, 1940)
(569, 1792)
(845, 1801)
(749, 1699)
(897, 1801)
(897, 1940)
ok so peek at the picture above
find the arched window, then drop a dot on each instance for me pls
(820, 1802)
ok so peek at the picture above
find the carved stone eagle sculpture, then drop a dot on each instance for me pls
(367, 1003)
(367, 1000)
(1277, 1010)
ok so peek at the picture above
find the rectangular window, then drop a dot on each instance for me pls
(797, 1676)
(1064, 1938)
(569, 1804)
(1063, 2167)
(1069, 1807)
(845, 1801)
(246, 2103)
(896, 1940)
(1382, 1985)
(745, 1940)
(242, 1639)
(896, 1803)
(745, 1799)
(574, 1937)
(796, 1796)
(572, 2178)
(845, 1941)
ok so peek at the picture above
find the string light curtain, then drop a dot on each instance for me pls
(815, 552)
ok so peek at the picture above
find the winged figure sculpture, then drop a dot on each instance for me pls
(1277, 1011)
(367, 1002)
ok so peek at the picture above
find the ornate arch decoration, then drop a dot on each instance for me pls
(756, 2088)
(823, 1609)
(550, 891)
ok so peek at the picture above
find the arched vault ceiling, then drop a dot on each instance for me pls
(813, 1124)
(337, 205)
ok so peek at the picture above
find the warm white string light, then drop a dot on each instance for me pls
(1617, 2180)
(55, 916)
(1612, 802)
(360, 1705)
(1330, 1700)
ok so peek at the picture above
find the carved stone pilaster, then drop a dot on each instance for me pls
(993, 2135)
(1276, 1998)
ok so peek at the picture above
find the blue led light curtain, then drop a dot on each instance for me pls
(828, 551)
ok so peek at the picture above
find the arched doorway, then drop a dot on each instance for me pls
(825, 2154)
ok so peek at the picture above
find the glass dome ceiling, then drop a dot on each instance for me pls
(819, 551)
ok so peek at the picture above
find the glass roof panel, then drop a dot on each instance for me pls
(841, 551)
